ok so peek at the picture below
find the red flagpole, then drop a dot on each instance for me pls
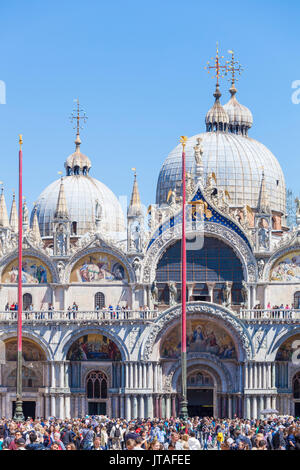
(19, 405)
(184, 403)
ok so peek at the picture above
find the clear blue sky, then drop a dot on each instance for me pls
(137, 68)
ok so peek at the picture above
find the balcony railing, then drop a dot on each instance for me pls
(78, 315)
(271, 315)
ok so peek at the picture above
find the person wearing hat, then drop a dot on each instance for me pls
(20, 444)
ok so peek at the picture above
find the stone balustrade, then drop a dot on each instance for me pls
(270, 315)
(79, 315)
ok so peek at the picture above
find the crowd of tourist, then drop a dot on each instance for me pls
(102, 433)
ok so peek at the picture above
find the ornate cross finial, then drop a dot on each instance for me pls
(220, 68)
(233, 68)
(77, 115)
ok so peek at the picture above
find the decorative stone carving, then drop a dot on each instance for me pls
(227, 235)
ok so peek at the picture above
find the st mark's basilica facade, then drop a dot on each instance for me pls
(118, 353)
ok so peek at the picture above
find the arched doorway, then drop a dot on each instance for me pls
(296, 393)
(96, 392)
(33, 373)
(200, 393)
(27, 301)
(99, 300)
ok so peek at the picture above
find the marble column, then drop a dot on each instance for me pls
(160, 406)
(250, 375)
(150, 376)
(149, 406)
(155, 378)
(126, 375)
(254, 407)
(127, 407)
(144, 375)
(61, 375)
(76, 406)
(273, 375)
(174, 406)
(156, 413)
(122, 408)
(47, 406)
(142, 407)
(246, 376)
(53, 405)
(168, 407)
(68, 406)
(61, 406)
(134, 406)
(268, 404)
(229, 406)
(247, 407)
(53, 378)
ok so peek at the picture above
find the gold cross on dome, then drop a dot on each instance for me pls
(218, 67)
(77, 115)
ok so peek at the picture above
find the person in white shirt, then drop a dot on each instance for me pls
(194, 444)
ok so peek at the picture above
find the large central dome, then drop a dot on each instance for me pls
(237, 161)
(89, 202)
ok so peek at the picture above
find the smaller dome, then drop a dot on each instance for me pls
(216, 118)
(77, 163)
(240, 117)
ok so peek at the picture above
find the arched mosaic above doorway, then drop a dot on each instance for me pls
(94, 347)
(202, 336)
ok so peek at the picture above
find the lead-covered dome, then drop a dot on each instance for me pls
(238, 162)
(91, 205)
(240, 117)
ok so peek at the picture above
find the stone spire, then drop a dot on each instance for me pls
(135, 206)
(35, 226)
(263, 206)
(4, 222)
(61, 211)
(13, 218)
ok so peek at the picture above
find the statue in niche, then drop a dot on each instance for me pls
(172, 293)
(154, 292)
(227, 294)
(61, 240)
(244, 292)
(263, 238)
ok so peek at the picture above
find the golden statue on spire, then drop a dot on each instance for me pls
(220, 69)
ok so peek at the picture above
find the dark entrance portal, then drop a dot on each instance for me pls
(201, 298)
(28, 409)
(200, 402)
(96, 408)
(297, 409)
